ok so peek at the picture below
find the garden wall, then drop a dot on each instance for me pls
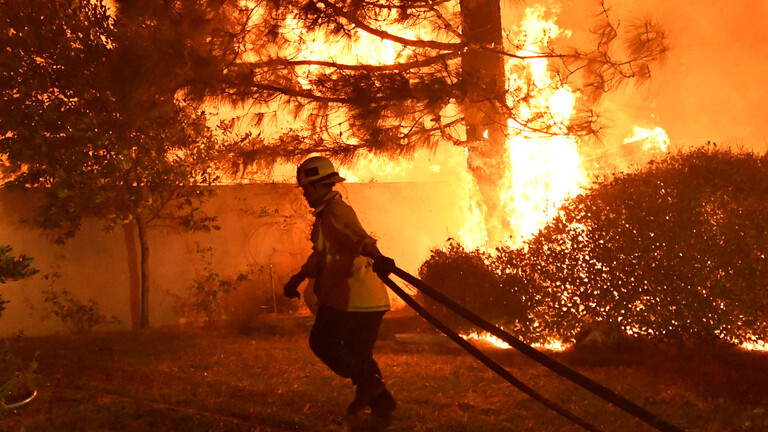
(264, 227)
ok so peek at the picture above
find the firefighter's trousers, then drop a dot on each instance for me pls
(344, 341)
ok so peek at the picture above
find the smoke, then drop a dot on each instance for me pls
(712, 86)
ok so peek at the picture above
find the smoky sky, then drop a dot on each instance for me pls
(713, 84)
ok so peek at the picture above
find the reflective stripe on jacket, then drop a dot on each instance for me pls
(345, 279)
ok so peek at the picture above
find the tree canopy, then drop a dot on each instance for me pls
(271, 57)
(390, 77)
(66, 126)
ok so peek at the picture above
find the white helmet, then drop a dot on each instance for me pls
(316, 170)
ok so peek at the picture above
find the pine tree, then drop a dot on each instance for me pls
(446, 82)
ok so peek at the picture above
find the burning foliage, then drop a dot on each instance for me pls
(673, 251)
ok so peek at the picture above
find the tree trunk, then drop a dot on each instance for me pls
(485, 83)
(144, 247)
(134, 275)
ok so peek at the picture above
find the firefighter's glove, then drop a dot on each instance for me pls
(291, 288)
(383, 266)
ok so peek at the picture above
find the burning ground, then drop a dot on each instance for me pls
(268, 380)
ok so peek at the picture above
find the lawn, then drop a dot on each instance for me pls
(266, 379)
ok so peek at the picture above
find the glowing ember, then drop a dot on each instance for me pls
(552, 345)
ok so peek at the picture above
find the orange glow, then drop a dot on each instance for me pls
(542, 170)
(473, 234)
(372, 168)
(317, 46)
(752, 343)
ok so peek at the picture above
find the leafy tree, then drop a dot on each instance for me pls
(676, 251)
(74, 122)
(444, 82)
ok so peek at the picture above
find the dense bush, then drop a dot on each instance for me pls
(467, 278)
(79, 317)
(676, 250)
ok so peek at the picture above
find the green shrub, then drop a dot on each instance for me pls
(78, 317)
(676, 250)
(208, 289)
(467, 278)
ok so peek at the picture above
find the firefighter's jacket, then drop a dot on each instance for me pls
(344, 278)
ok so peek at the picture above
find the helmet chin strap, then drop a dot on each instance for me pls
(317, 192)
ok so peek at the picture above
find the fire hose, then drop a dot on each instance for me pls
(566, 372)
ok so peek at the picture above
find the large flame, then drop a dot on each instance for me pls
(542, 170)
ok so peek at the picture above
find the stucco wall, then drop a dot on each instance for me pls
(264, 226)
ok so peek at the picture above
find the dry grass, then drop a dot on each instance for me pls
(268, 380)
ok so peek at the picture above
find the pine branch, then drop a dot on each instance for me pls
(406, 66)
(357, 22)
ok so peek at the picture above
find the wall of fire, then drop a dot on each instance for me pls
(264, 226)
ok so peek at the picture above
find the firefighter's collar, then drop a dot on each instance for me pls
(325, 200)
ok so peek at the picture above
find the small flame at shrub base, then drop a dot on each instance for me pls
(555, 345)
(485, 337)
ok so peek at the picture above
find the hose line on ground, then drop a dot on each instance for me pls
(588, 384)
(487, 361)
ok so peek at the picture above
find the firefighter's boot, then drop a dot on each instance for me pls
(383, 405)
(365, 393)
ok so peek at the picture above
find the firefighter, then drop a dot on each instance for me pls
(351, 299)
